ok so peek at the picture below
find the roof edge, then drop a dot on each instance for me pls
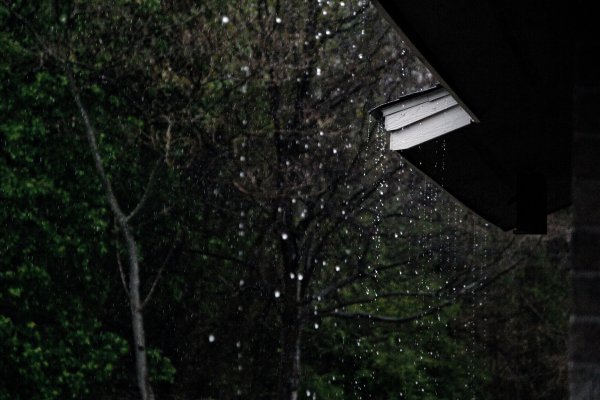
(378, 114)
(382, 9)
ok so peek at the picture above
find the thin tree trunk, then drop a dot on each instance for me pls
(289, 368)
(135, 302)
(137, 318)
(291, 322)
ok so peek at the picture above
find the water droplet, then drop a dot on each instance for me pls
(277, 293)
(211, 338)
(225, 19)
(284, 236)
(300, 277)
(278, 20)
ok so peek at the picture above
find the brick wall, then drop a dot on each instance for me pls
(584, 327)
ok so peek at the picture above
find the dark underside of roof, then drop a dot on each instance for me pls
(509, 63)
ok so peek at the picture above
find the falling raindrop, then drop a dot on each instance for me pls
(225, 19)
(277, 294)
(211, 338)
(284, 236)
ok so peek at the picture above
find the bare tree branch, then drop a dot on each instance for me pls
(388, 319)
(373, 299)
(160, 271)
(147, 191)
(120, 264)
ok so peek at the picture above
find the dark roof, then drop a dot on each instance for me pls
(509, 65)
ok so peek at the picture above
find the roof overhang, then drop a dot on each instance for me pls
(508, 65)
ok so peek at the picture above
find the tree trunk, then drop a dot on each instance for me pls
(137, 319)
(291, 324)
(289, 367)
(135, 302)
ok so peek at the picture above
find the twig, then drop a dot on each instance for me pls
(120, 264)
(388, 319)
(149, 186)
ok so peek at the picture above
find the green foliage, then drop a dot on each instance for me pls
(524, 340)
(422, 360)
